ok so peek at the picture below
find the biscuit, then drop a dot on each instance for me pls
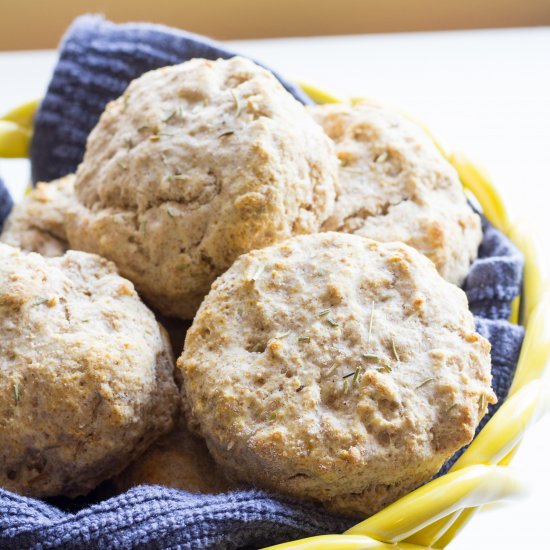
(37, 223)
(194, 165)
(335, 368)
(394, 185)
(179, 460)
(87, 375)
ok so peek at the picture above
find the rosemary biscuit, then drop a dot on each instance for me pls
(394, 185)
(194, 165)
(86, 373)
(37, 223)
(335, 368)
(179, 460)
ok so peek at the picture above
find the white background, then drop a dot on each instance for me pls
(486, 93)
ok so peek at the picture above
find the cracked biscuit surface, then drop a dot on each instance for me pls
(86, 373)
(394, 185)
(194, 165)
(335, 368)
(37, 223)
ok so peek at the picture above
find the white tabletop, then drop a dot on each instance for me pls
(486, 93)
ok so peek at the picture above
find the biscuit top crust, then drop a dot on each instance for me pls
(331, 362)
(37, 223)
(194, 165)
(395, 185)
(86, 375)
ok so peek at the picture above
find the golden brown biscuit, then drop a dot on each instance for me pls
(194, 165)
(336, 368)
(86, 374)
(394, 185)
(37, 223)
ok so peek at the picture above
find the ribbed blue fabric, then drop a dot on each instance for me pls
(6, 203)
(97, 61)
(490, 291)
(150, 517)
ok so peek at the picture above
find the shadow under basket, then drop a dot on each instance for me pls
(434, 514)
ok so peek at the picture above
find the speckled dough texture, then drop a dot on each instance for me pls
(86, 374)
(194, 165)
(394, 185)
(180, 460)
(336, 368)
(37, 223)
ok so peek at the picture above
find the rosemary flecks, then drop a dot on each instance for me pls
(423, 383)
(237, 104)
(382, 157)
(324, 312)
(331, 321)
(169, 117)
(331, 370)
(370, 322)
(177, 177)
(395, 350)
(282, 336)
(384, 368)
(16, 392)
(304, 338)
(259, 270)
(371, 356)
(228, 133)
(353, 375)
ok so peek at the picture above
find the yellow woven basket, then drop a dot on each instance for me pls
(432, 515)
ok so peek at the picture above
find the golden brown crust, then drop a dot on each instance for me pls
(87, 375)
(335, 368)
(194, 165)
(394, 185)
(37, 223)
(179, 460)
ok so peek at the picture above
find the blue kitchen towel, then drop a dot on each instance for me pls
(97, 61)
(6, 203)
(150, 517)
(490, 291)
